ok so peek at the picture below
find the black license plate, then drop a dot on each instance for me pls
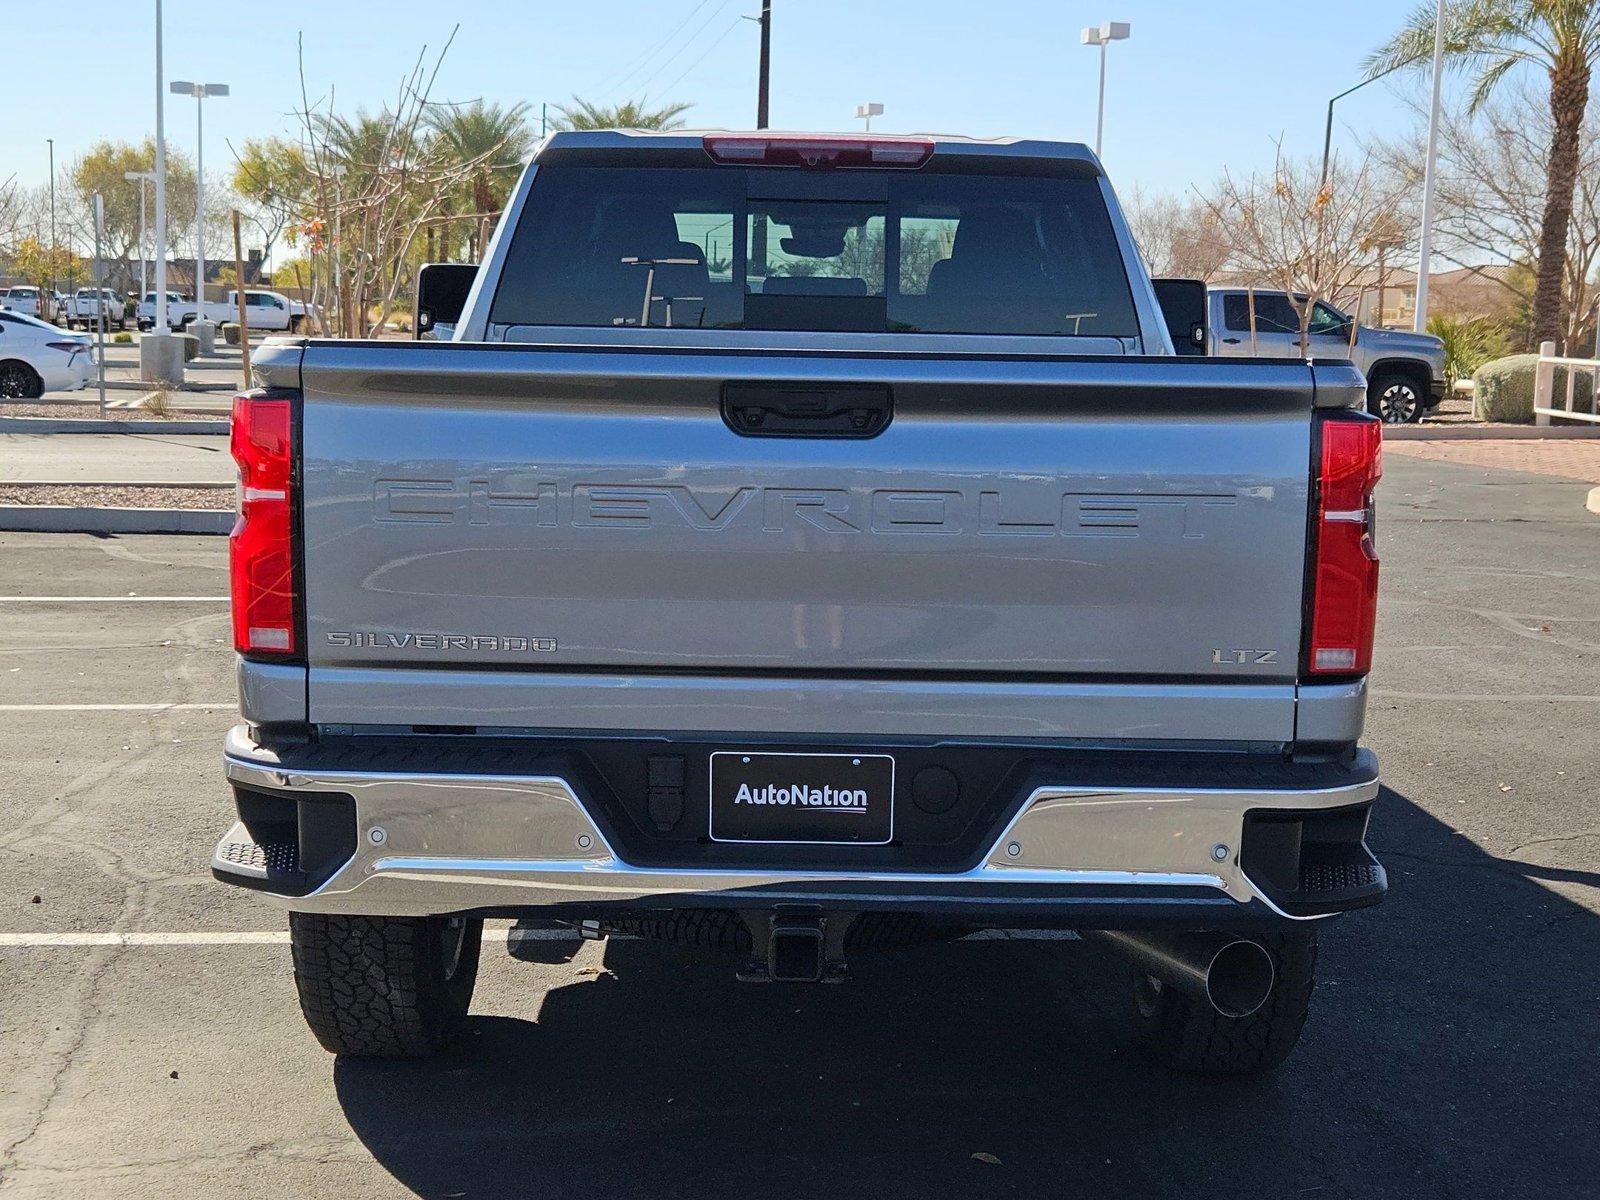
(758, 797)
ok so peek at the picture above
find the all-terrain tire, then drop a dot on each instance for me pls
(1395, 398)
(716, 929)
(385, 987)
(1189, 1035)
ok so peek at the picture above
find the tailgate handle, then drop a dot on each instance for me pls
(839, 410)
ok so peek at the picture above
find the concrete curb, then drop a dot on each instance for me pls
(95, 425)
(50, 518)
(1488, 433)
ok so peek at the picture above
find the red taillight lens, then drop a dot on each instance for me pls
(842, 150)
(260, 549)
(1344, 609)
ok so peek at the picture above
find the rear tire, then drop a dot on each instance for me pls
(1185, 1034)
(19, 381)
(385, 987)
(1395, 399)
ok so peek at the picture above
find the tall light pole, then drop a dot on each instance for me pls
(55, 281)
(140, 177)
(865, 112)
(1430, 177)
(200, 91)
(162, 328)
(1103, 35)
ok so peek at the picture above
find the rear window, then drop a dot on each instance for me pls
(861, 251)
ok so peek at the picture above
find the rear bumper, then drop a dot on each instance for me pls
(409, 842)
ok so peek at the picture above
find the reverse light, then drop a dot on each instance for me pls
(261, 548)
(832, 150)
(1344, 608)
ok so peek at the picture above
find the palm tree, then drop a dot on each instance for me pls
(1493, 37)
(633, 115)
(495, 139)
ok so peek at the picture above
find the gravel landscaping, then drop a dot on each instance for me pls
(103, 496)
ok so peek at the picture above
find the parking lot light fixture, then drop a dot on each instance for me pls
(865, 112)
(141, 178)
(1103, 35)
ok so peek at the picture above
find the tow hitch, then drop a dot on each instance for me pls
(796, 947)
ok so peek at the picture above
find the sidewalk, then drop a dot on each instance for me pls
(1567, 458)
(115, 458)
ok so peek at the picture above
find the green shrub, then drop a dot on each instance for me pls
(1503, 389)
(123, 339)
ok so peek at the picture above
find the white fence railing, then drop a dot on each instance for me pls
(1563, 398)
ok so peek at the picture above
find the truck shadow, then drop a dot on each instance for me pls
(1452, 1050)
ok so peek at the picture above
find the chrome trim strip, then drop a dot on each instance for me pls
(443, 841)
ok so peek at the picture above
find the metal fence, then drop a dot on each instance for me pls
(1565, 387)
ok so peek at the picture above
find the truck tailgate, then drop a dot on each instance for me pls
(517, 509)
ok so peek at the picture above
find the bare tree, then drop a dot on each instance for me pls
(1177, 236)
(1491, 198)
(376, 182)
(1314, 241)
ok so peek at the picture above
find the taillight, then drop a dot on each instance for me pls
(831, 150)
(260, 549)
(1344, 607)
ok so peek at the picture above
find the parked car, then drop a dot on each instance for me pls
(718, 584)
(1405, 371)
(36, 357)
(270, 311)
(86, 305)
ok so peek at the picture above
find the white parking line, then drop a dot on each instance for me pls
(112, 707)
(58, 940)
(113, 600)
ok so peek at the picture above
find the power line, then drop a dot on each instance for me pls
(699, 29)
(660, 45)
(724, 37)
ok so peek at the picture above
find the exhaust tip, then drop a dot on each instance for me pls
(1239, 978)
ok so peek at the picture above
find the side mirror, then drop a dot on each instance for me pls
(1183, 306)
(442, 290)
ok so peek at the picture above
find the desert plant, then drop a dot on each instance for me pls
(158, 403)
(122, 339)
(1468, 344)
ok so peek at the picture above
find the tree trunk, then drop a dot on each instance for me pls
(1569, 99)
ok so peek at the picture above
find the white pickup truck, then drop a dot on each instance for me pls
(183, 311)
(84, 306)
(270, 311)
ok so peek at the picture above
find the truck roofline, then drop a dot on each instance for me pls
(946, 146)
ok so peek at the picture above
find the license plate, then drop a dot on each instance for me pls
(765, 797)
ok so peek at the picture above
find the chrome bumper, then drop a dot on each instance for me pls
(436, 843)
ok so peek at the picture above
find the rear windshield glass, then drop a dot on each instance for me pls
(710, 248)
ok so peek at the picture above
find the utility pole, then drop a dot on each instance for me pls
(764, 84)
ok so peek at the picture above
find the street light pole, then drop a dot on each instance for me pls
(200, 91)
(140, 177)
(1327, 132)
(865, 112)
(55, 280)
(1430, 177)
(1102, 36)
(764, 82)
(162, 327)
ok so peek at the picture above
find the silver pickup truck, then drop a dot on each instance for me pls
(806, 545)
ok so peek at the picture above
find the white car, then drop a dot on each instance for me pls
(86, 303)
(36, 357)
(182, 311)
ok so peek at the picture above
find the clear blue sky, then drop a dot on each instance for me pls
(1189, 93)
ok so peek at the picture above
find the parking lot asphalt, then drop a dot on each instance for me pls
(1451, 1051)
